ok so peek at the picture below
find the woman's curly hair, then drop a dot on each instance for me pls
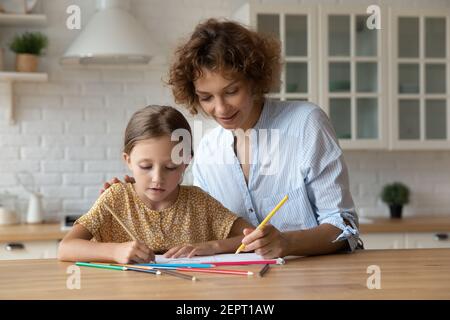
(229, 48)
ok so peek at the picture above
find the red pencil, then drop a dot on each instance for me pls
(220, 271)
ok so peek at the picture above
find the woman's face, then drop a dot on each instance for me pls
(230, 102)
(157, 176)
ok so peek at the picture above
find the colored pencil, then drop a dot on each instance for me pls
(121, 267)
(120, 222)
(178, 265)
(243, 263)
(204, 270)
(178, 274)
(264, 270)
(100, 266)
(264, 222)
(219, 271)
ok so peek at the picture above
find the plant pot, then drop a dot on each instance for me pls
(26, 62)
(396, 211)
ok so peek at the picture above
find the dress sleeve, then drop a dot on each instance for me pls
(98, 220)
(326, 178)
(220, 218)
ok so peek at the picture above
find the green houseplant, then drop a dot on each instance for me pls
(28, 47)
(395, 195)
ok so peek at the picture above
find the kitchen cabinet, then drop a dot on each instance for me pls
(420, 83)
(406, 240)
(406, 233)
(30, 241)
(382, 88)
(353, 72)
(29, 250)
(295, 27)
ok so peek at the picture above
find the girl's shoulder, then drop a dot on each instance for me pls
(197, 195)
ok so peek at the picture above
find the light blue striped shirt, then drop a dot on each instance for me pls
(306, 163)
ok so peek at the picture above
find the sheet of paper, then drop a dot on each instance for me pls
(230, 257)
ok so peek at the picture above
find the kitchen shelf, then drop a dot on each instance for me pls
(22, 20)
(6, 88)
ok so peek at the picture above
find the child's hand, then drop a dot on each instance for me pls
(133, 252)
(198, 249)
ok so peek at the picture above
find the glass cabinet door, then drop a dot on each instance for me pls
(292, 29)
(420, 93)
(352, 59)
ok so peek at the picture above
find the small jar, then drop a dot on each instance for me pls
(8, 212)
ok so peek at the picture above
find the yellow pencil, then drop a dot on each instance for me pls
(263, 223)
(120, 222)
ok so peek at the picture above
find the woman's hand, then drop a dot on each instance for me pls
(133, 252)
(108, 184)
(267, 242)
(198, 249)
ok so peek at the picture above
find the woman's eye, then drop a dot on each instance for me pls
(234, 91)
(171, 168)
(205, 98)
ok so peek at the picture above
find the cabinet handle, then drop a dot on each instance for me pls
(14, 246)
(441, 236)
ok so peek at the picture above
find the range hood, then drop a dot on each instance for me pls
(112, 36)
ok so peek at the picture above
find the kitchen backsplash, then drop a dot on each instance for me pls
(68, 131)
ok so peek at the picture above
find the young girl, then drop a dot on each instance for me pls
(164, 216)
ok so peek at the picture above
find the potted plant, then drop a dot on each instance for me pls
(28, 47)
(395, 195)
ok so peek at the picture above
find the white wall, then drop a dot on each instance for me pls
(69, 131)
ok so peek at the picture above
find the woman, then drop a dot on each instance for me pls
(224, 70)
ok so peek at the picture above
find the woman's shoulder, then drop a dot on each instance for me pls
(292, 110)
(294, 117)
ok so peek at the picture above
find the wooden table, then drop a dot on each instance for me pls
(405, 274)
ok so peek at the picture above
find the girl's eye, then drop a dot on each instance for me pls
(171, 169)
(145, 168)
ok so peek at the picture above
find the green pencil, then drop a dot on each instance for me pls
(101, 266)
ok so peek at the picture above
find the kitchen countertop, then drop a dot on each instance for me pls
(405, 274)
(408, 224)
(31, 232)
(52, 231)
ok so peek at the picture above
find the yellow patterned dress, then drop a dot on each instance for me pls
(194, 217)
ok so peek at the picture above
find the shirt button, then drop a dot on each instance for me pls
(250, 210)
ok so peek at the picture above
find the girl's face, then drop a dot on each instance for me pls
(157, 177)
(230, 102)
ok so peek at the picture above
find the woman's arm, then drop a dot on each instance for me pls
(271, 243)
(76, 246)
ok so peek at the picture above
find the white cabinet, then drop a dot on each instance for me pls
(385, 88)
(353, 76)
(406, 240)
(296, 28)
(29, 250)
(427, 240)
(383, 240)
(420, 84)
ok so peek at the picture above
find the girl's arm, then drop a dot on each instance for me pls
(76, 246)
(228, 245)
